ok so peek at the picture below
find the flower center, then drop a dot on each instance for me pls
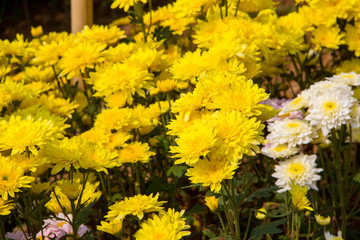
(280, 148)
(330, 106)
(293, 125)
(295, 169)
(348, 76)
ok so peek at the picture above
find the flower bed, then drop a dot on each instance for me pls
(209, 120)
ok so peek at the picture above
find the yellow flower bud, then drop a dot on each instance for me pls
(322, 221)
(36, 31)
(259, 215)
(212, 203)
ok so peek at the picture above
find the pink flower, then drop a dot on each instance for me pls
(59, 226)
(17, 235)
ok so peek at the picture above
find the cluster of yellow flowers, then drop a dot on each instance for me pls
(102, 102)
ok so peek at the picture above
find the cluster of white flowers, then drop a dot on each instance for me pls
(325, 106)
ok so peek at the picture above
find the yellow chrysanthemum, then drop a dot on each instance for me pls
(50, 53)
(20, 134)
(14, 91)
(135, 152)
(63, 154)
(194, 142)
(254, 5)
(15, 48)
(121, 77)
(12, 178)
(212, 203)
(81, 56)
(39, 187)
(191, 8)
(4, 70)
(299, 199)
(37, 112)
(146, 56)
(352, 37)
(118, 53)
(97, 157)
(328, 37)
(96, 135)
(6, 207)
(230, 92)
(89, 195)
(137, 206)
(38, 74)
(117, 139)
(188, 105)
(189, 66)
(166, 85)
(29, 163)
(113, 118)
(167, 226)
(113, 227)
(351, 65)
(238, 134)
(78, 152)
(71, 189)
(211, 172)
(102, 34)
(125, 4)
(59, 106)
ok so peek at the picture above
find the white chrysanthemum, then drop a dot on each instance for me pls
(296, 104)
(352, 78)
(324, 88)
(330, 111)
(300, 168)
(329, 236)
(291, 131)
(279, 151)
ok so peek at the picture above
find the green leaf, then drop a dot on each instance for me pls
(209, 232)
(357, 177)
(270, 228)
(192, 185)
(263, 192)
(196, 209)
(161, 33)
(85, 212)
(163, 142)
(157, 184)
(115, 197)
(176, 170)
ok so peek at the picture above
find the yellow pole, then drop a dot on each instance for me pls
(81, 14)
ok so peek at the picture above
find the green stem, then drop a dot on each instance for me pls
(237, 7)
(309, 228)
(138, 178)
(297, 219)
(226, 210)
(248, 225)
(222, 222)
(150, 12)
(292, 225)
(103, 186)
(340, 179)
(2, 228)
(58, 82)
